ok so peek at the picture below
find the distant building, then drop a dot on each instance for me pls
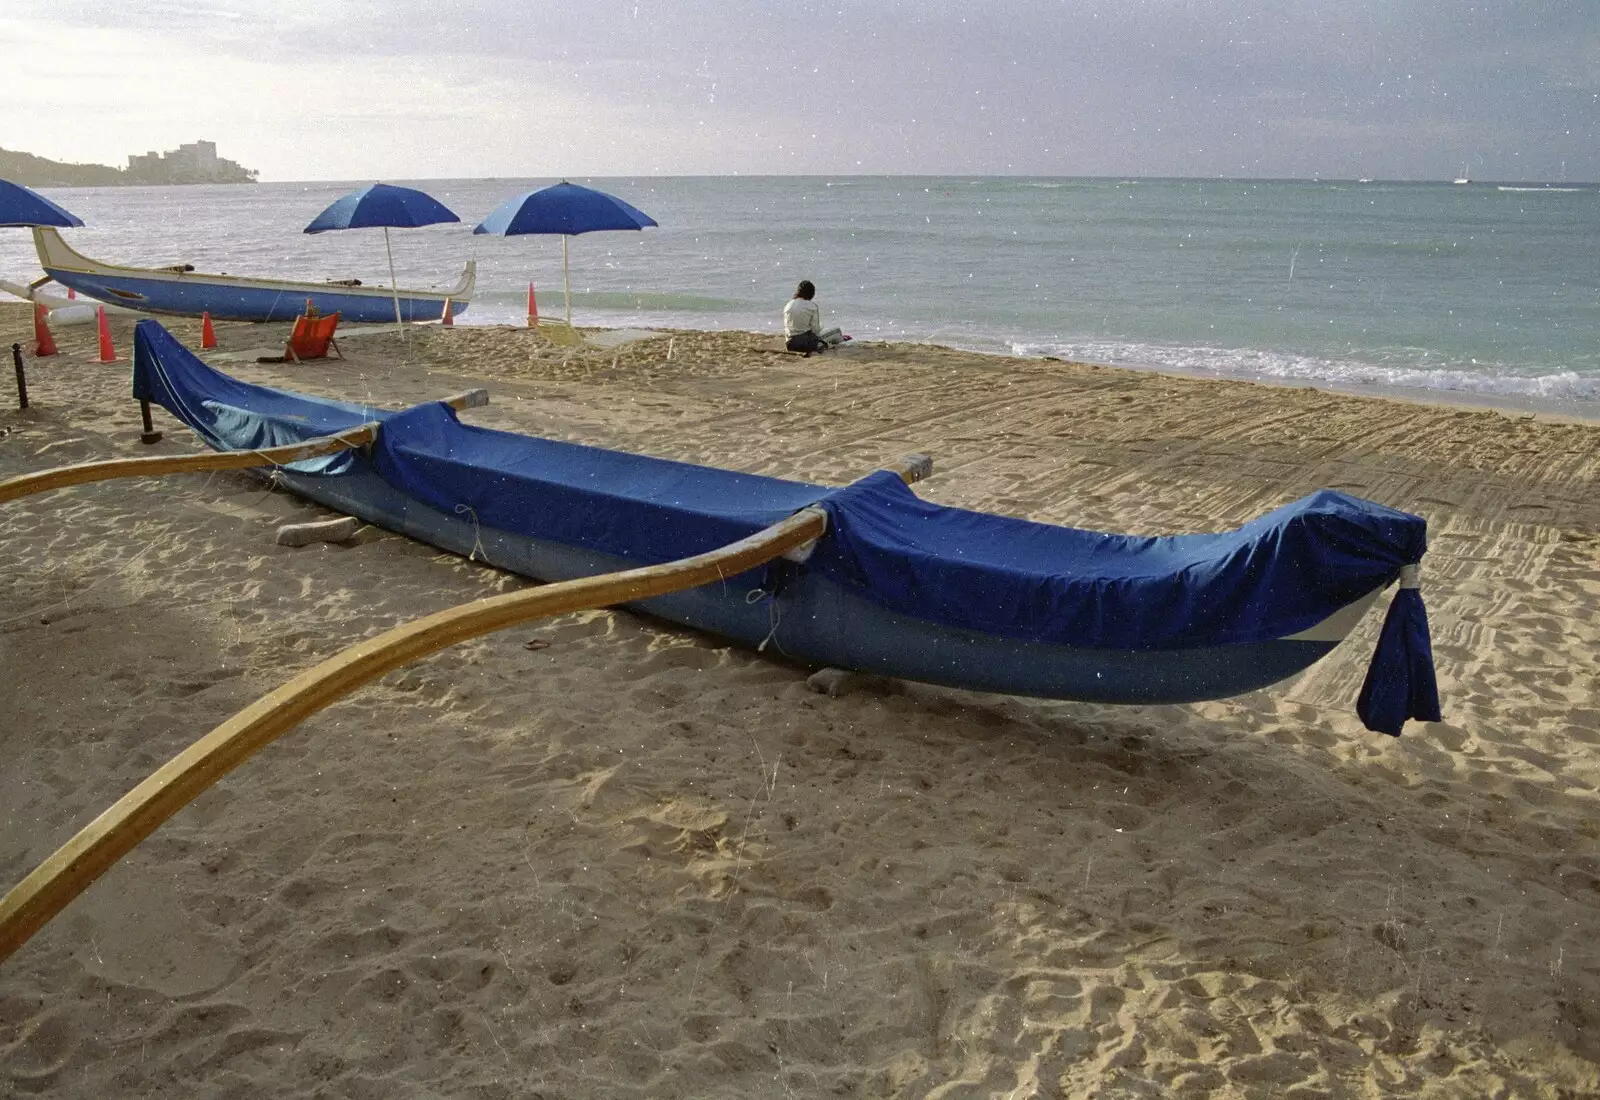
(196, 162)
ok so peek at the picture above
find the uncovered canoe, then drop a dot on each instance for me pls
(179, 291)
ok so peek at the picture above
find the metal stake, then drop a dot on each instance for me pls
(22, 377)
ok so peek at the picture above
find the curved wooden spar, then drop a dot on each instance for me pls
(63, 476)
(77, 863)
(84, 473)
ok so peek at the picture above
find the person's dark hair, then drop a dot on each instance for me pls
(805, 290)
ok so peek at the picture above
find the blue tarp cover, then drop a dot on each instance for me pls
(1275, 576)
(648, 510)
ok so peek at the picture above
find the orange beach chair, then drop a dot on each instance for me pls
(312, 338)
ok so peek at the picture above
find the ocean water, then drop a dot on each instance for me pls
(1483, 291)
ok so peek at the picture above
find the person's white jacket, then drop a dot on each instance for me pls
(801, 315)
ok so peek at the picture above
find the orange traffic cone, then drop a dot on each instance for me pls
(449, 317)
(108, 354)
(208, 335)
(533, 308)
(43, 342)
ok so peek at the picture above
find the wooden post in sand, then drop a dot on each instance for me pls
(149, 435)
(31, 904)
(22, 377)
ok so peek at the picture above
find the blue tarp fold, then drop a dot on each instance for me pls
(1400, 682)
(231, 415)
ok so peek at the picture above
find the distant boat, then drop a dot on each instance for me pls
(184, 292)
(1465, 177)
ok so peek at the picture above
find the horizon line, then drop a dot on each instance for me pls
(1099, 177)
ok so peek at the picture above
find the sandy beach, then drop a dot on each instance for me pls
(601, 856)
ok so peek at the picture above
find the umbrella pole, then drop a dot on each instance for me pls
(394, 284)
(566, 278)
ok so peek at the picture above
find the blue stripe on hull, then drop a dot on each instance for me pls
(227, 302)
(820, 623)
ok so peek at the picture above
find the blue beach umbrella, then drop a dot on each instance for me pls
(567, 209)
(22, 207)
(384, 205)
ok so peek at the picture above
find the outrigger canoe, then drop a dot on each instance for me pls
(896, 585)
(184, 292)
(867, 576)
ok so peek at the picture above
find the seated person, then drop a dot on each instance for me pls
(802, 323)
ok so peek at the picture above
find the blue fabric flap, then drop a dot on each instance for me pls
(1400, 683)
(231, 415)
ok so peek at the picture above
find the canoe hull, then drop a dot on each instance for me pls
(819, 622)
(238, 298)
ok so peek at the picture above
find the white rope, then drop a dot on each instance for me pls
(477, 542)
(774, 617)
(1411, 576)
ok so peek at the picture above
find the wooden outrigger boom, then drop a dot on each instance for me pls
(87, 472)
(74, 866)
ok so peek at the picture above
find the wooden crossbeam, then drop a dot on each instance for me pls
(63, 476)
(84, 473)
(77, 863)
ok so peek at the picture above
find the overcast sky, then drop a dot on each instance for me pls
(419, 89)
